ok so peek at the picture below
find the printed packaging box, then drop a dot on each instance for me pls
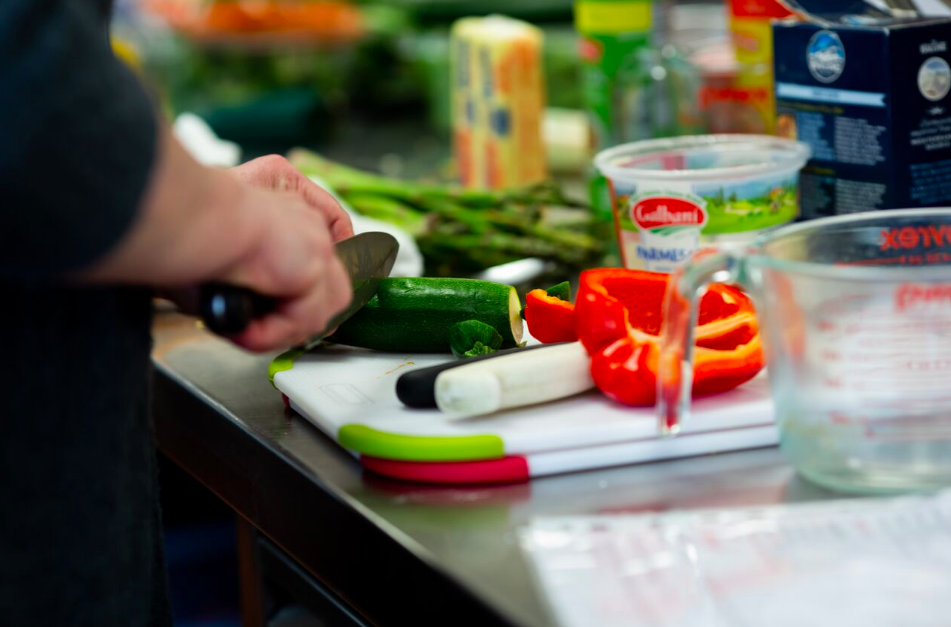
(870, 95)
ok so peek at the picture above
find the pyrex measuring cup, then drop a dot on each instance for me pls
(855, 315)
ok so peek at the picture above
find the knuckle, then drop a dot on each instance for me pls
(273, 161)
(280, 173)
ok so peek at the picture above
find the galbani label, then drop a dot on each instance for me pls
(669, 230)
(656, 212)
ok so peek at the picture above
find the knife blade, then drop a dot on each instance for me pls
(368, 258)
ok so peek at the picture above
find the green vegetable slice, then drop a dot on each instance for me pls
(472, 338)
(562, 291)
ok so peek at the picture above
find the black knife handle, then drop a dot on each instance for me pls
(229, 309)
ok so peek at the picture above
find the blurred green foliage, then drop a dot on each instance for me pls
(293, 94)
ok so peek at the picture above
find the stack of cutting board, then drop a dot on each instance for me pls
(350, 395)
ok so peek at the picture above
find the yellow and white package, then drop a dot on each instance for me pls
(498, 101)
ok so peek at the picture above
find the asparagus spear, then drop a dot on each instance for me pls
(392, 211)
(345, 179)
(461, 230)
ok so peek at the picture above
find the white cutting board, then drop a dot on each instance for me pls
(350, 395)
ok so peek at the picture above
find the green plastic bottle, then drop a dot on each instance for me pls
(615, 35)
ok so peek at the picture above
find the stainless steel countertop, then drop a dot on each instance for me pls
(210, 394)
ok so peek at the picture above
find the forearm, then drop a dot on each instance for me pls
(193, 223)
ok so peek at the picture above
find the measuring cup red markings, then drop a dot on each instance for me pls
(883, 363)
(839, 418)
(903, 238)
(864, 354)
(909, 295)
(883, 261)
(909, 426)
(930, 258)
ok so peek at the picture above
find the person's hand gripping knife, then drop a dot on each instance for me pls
(261, 225)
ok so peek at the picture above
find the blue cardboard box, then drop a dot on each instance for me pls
(871, 97)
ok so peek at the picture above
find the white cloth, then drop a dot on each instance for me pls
(409, 261)
(201, 142)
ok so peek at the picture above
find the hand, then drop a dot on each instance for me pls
(292, 259)
(276, 173)
(198, 224)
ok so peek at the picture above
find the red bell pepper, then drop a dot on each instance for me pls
(618, 317)
(550, 319)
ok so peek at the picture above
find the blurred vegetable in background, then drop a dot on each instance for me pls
(321, 20)
(272, 74)
(268, 80)
(443, 11)
(460, 231)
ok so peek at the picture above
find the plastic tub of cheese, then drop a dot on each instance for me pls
(673, 196)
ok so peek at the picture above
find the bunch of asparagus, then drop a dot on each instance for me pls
(462, 231)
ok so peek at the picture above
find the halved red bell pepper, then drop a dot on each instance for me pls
(625, 371)
(618, 317)
(550, 319)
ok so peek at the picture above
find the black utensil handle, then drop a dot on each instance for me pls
(229, 309)
(417, 388)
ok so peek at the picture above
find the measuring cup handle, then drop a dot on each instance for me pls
(681, 310)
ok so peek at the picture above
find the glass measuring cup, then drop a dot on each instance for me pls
(855, 317)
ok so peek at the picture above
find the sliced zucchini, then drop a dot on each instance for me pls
(416, 315)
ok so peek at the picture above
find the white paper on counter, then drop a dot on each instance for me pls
(857, 563)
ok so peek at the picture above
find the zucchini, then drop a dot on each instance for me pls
(415, 315)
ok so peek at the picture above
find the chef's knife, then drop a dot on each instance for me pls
(368, 258)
